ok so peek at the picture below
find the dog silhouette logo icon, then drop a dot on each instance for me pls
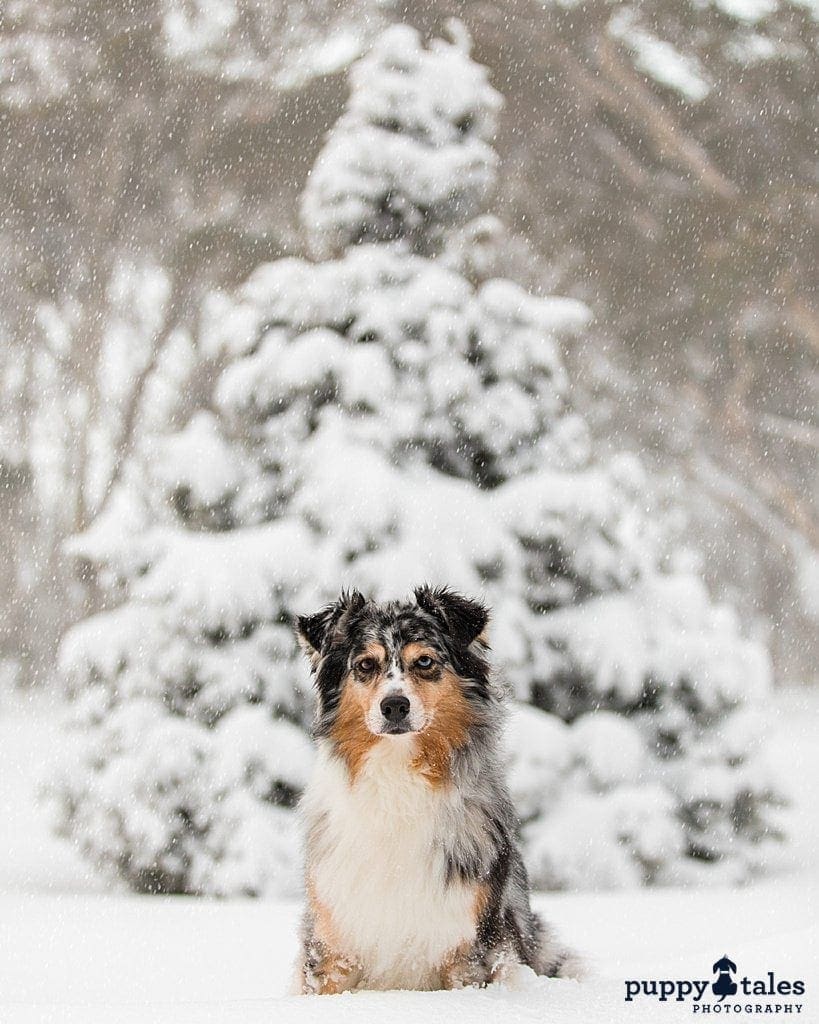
(725, 984)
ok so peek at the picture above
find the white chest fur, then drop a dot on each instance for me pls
(378, 866)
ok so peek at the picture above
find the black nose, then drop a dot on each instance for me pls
(395, 709)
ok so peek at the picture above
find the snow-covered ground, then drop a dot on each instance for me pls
(72, 952)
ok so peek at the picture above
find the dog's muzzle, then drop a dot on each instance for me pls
(395, 711)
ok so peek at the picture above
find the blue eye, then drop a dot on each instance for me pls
(425, 661)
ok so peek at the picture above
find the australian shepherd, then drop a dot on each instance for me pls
(414, 879)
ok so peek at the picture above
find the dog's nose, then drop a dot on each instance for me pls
(395, 709)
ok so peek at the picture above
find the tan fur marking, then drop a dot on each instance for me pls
(374, 651)
(448, 729)
(352, 738)
(410, 652)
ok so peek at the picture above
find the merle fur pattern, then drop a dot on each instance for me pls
(480, 841)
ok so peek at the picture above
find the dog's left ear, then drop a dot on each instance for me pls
(312, 630)
(464, 618)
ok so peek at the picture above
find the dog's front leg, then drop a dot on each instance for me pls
(464, 967)
(476, 966)
(325, 972)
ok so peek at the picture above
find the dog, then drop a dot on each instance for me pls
(414, 878)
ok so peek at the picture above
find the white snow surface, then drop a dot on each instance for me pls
(181, 961)
(418, 124)
(71, 954)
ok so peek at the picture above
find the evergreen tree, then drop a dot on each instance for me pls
(381, 418)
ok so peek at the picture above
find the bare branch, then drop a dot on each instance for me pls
(743, 499)
(668, 136)
(790, 430)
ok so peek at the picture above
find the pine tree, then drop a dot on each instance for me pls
(383, 417)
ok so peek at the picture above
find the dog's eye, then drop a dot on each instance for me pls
(366, 665)
(425, 662)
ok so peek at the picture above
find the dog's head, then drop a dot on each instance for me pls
(393, 670)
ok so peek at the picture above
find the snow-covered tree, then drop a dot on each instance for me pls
(383, 417)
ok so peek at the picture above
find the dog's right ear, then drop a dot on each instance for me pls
(312, 630)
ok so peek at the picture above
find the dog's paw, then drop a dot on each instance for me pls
(517, 977)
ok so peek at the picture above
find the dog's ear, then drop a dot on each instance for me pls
(464, 618)
(312, 630)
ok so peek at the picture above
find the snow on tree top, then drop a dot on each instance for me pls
(412, 151)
